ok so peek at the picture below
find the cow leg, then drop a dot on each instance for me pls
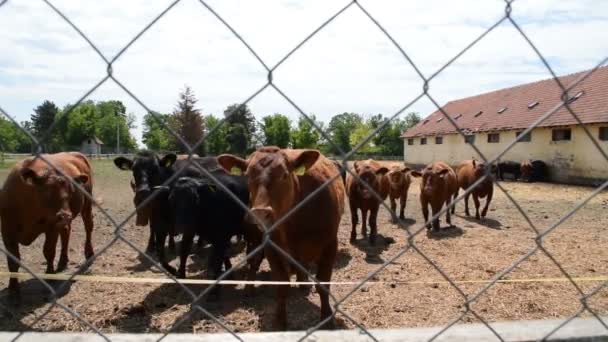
(184, 253)
(476, 200)
(87, 219)
(448, 216)
(488, 200)
(151, 245)
(12, 247)
(373, 227)
(393, 209)
(161, 237)
(324, 271)
(354, 218)
(254, 263)
(453, 202)
(466, 204)
(214, 267)
(435, 209)
(50, 245)
(65, 240)
(364, 223)
(279, 273)
(172, 247)
(403, 202)
(425, 213)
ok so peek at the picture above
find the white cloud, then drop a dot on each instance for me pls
(350, 65)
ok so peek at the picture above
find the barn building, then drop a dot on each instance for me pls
(493, 120)
(91, 146)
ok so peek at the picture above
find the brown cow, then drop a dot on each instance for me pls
(360, 197)
(469, 172)
(400, 180)
(279, 180)
(37, 199)
(439, 183)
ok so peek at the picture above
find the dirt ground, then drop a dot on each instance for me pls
(469, 251)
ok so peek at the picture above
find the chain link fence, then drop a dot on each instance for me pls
(198, 307)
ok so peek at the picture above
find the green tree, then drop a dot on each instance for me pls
(276, 129)
(216, 141)
(340, 128)
(188, 121)
(13, 139)
(42, 119)
(388, 139)
(360, 133)
(411, 120)
(241, 128)
(155, 136)
(305, 135)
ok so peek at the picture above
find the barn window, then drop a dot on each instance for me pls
(469, 139)
(422, 141)
(525, 138)
(425, 122)
(438, 140)
(502, 110)
(457, 116)
(562, 134)
(479, 113)
(493, 137)
(410, 141)
(533, 104)
(604, 133)
(439, 120)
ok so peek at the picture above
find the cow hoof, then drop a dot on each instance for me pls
(62, 265)
(353, 239)
(88, 253)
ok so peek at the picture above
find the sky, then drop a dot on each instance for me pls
(348, 66)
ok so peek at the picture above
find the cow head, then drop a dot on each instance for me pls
(369, 171)
(55, 189)
(397, 175)
(480, 168)
(272, 177)
(432, 179)
(148, 171)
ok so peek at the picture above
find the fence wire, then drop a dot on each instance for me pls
(344, 156)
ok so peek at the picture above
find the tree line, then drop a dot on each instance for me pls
(239, 132)
(71, 125)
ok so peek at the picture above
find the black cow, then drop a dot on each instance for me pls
(202, 207)
(537, 172)
(510, 167)
(149, 173)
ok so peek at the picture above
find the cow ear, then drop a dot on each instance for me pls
(416, 173)
(405, 169)
(356, 166)
(30, 176)
(382, 171)
(81, 179)
(232, 164)
(443, 172)
(123, 163)
(303, 161)
(168, 160)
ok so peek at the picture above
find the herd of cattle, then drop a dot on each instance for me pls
(218, 198)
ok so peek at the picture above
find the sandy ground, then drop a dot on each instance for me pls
(469, 251)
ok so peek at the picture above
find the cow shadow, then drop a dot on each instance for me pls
(443, 233)
(343, 258)
(34, 294)
(403, 223)
(260, 306)
(373, 252)
(486, 222)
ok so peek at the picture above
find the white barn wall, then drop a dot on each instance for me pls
(574, 161)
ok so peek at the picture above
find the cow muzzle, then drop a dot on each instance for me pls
(264, 215)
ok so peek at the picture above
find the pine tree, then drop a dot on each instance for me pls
(188, 121)
(43, 117)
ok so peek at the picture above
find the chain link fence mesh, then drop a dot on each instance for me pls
(345, 156)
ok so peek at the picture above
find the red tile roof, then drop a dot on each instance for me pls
(591, 107)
